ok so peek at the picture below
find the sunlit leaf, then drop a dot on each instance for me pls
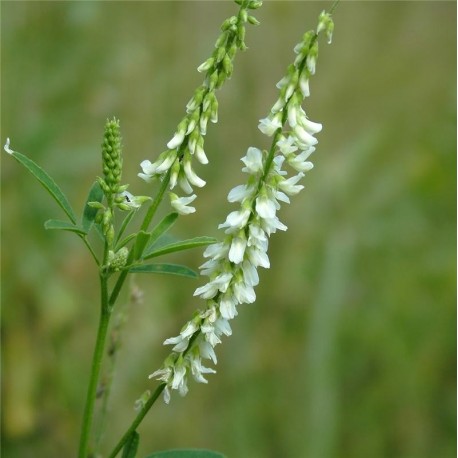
(179, 246)
(48, 183)
(165, 268)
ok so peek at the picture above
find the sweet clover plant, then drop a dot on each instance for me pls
(231, 263)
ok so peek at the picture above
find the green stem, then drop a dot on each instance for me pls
(138, 419)
(157, 200)
(95, 370)
(144, 227)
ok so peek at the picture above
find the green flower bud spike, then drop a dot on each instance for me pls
(111, 160)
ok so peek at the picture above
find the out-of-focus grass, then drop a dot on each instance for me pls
(349, 350)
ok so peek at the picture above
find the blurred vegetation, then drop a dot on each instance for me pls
(349, 350)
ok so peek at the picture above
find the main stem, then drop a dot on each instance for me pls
(95, 370)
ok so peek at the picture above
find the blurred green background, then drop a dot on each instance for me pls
(349, 350)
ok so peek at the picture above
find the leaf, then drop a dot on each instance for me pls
(55, 224)
(125, 241)
(89, 213)
(140, 243)
(189, 453)
(164, 225)
(130, 449)
(48, 183)
(124, 224)
(179, 246)
(165, 268)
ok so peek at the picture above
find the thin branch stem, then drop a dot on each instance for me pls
(138, 419)
(157, 200)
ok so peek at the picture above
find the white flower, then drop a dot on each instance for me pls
(222, 326)
(207, 351)
(220, 283)
(250, 274)
(270, 225)
(289, 185)
(303, 136)
(283, 82)
(237, 249)
(176, 140)
(311, 64)
(286, 145)
(310, 126)
(269, 125)
(162, 165)
(227, 305)
(265, 207)
(179, 378)
(279, 104)
(197, 369)
(7, 147)
(239, 193)
(258, 257)
(253, 161)
(189, 329)
(181, 343)
(299, 162)
(180, 204)
(216, 251)
(304, 85)
(133, 202)
(200, 153)
(236, 220)
(244, 293)
(184, 183)
(148, 170)
(257, 238)
(163, 374)
(191, 176)
(210, 335)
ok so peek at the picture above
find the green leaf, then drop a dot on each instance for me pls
(164, 225)
(124, 224)
(179, 246)
(55, 224)
(165, 268)
(130, 449)
(89, 213)
(140, 243)
(125, 241)
(189, 453)
(48, 183)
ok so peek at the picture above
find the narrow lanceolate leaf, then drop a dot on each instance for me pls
(124, 224)
(164, 225)
(130, 449)
(191, 453)
(89, 213)
(55, 224)
(48, 183)
(140, 243)
(179, 246)
(172, 269)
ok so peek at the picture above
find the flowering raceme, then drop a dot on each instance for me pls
(232, 264)
(175, 164)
